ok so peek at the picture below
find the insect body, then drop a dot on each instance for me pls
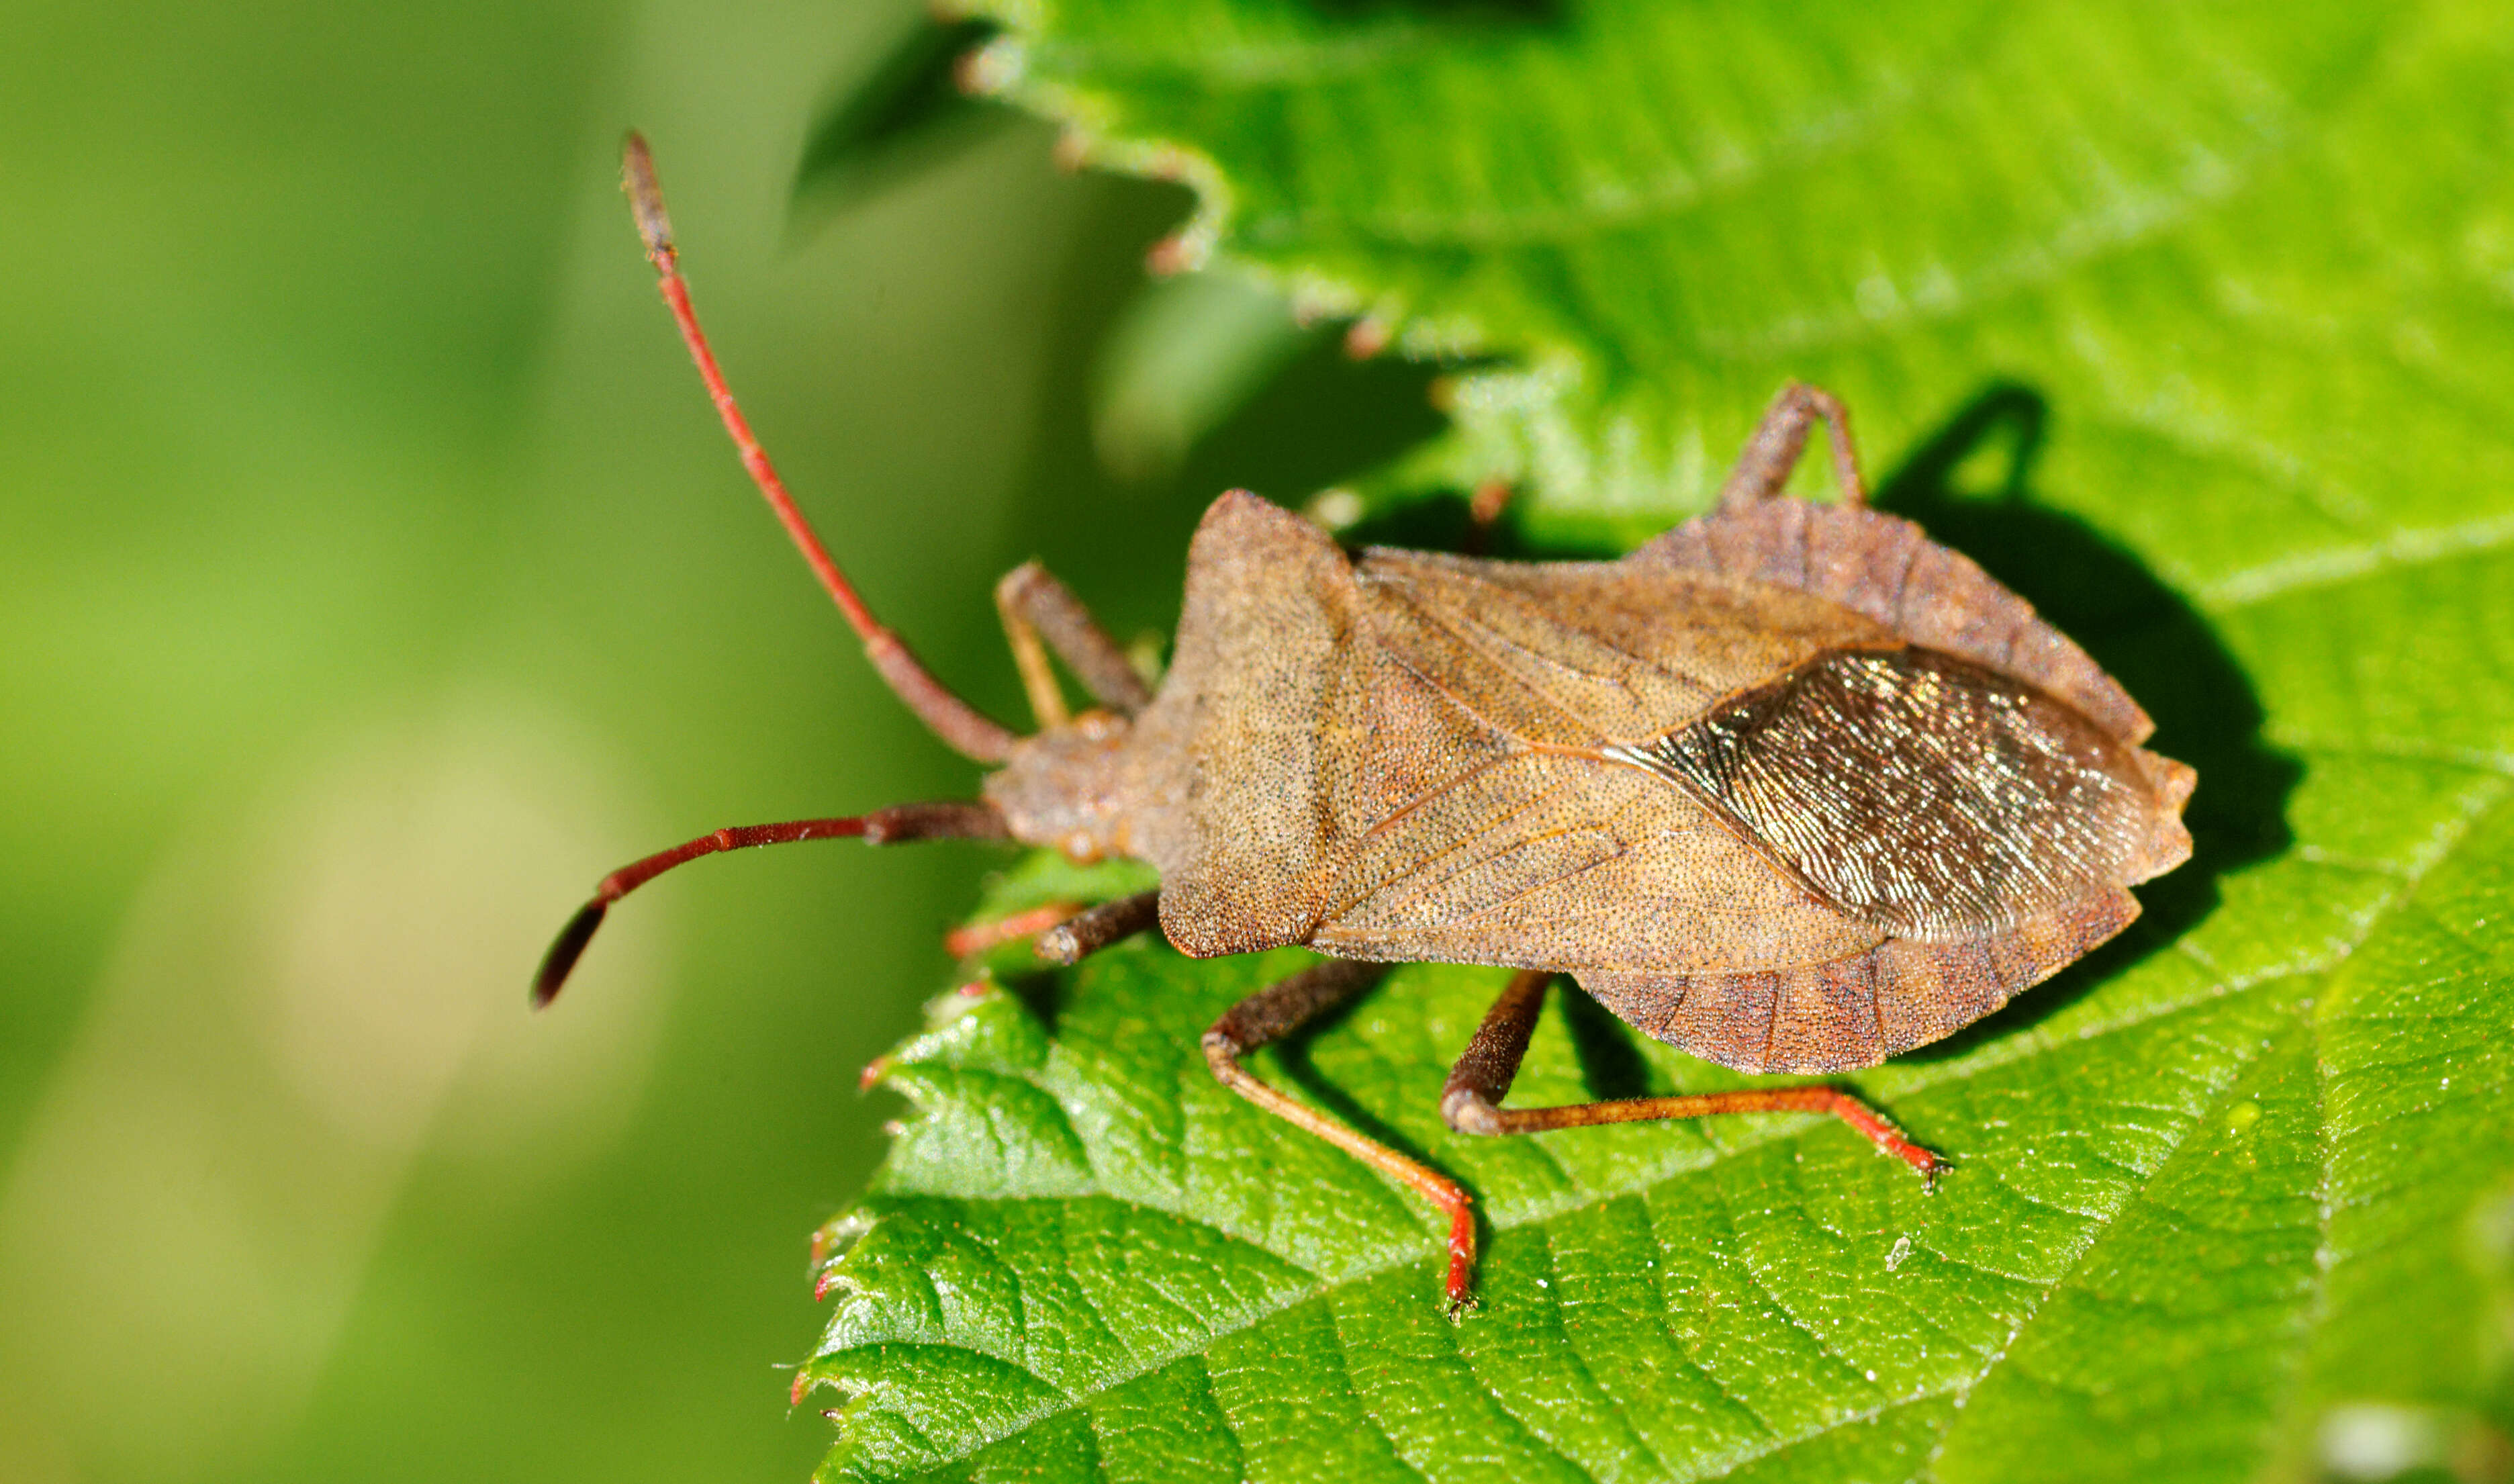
(1789, 787)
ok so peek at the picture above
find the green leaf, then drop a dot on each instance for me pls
(1185, 354)
(2196, 325)
(907, 114)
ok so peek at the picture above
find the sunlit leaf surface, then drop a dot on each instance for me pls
(2194, 324)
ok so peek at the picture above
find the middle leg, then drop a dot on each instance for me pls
(1273, 1013)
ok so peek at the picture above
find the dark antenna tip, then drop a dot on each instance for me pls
(645, 196)
(565, 950)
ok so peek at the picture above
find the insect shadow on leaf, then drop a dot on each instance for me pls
(1612, 1065)
(1041, 992)
(2164, 651)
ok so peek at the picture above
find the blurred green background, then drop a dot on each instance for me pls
(375, 576)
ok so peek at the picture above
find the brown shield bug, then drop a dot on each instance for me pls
(1791, 788)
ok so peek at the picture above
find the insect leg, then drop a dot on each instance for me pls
(972, 938)
(1484, 510)
(1774, 450)
(1092, 929)
(1275, 1012)
(895, 825)
(963, 727)
(1035, 606)
(1471, 1100)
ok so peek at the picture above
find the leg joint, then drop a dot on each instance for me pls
(1017, 585)
(1094, 928)
(1221, 1052)
(1469, 1111)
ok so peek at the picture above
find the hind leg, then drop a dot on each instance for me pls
(1471, 1101)
(1778, 441)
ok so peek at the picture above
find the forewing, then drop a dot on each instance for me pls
(1584, 653)
(1557, 860)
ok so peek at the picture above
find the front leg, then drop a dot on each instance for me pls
(1036, 607)
(1094, 928)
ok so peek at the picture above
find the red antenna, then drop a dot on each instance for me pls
(569, 947)
(948, 819)
(961, 726)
